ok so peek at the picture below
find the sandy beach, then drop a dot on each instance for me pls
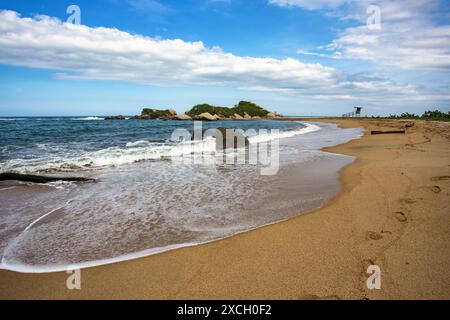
(393, 211)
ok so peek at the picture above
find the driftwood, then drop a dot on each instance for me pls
(388, 132)
(40, 179)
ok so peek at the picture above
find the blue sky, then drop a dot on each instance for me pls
(298, 57)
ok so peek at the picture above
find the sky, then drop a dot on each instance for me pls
(296, 57)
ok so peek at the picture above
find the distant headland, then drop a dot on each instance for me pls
(244, 110)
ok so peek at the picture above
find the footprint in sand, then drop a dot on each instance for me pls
(440, 178)
(436, 189)
(409, 201)
(374, 235)
(400, 216)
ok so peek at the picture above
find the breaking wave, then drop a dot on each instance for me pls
(133, 152)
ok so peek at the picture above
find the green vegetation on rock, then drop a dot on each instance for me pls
(242, 108)
(157, 114)
(203, 108)
(250, 108)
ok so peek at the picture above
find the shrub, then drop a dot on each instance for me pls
(250, 108)
(241, 108)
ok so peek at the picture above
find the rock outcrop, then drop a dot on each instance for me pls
(236, 117)
(221, 112)
(206, 116)
(120, 117)
(181, 117)
(231, 139)
(151, 114)
(244, 110)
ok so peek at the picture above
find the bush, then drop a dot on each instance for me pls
(202, 108)
(250, 108)
(436, 114)
(155, 113)
(408, 115)
(428, 115)
(241, 108)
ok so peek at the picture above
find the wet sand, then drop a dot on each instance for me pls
(393, 211)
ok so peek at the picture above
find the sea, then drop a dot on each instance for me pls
(152, 193)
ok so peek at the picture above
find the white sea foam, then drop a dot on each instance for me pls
(8, 188)
(138, 143)
(90, 118)
(113, 156)
(284, 134)
(134, 152)
(60, 184)
(36, 269)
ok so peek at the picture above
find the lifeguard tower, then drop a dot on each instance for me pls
(354, 114)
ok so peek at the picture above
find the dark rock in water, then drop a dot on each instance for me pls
(231, 139)
(40, 179)
(120, 117)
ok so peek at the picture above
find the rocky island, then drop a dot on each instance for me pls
(151, 114)
(244, 110)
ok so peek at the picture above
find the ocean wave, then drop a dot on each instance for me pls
(113, 156)
(133, 152)
(89, 119)
(137, 143)
(309, 128)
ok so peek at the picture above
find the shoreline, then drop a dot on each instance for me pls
(247, 265)
(327, 189)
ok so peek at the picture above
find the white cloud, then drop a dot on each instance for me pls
(397, 45)
(83, 52)
(105, 53)
(408, 39)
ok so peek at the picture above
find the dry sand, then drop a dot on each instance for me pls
(393, 211)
